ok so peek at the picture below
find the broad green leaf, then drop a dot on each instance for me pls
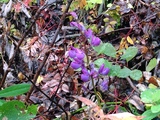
(114, 70)
(123, 73)
(129, 53)
(148, 115)
(99, 49)
(155, 108)
(16, 110)
(1, 102)
(15, 90)
(100, 61)
(152, 64)
(136, 74)
(150, 95)
(109, 50)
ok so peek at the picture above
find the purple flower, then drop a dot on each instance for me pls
(104, 85)
(102, 70)
(72, 54)
(88, 33)
(76, 53)
(95, 41)
(85, 75)
(74, 15)
(79, 26)
(93, 72)
(75, 65)
(80, 54)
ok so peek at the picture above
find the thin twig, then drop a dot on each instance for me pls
(131, 84)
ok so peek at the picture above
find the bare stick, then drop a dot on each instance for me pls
(131, 84)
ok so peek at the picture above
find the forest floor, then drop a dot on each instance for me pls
(82, 59)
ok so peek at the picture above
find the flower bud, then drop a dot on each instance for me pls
(75, 65)
(95, 41)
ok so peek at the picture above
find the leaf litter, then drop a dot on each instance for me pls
(120, 25)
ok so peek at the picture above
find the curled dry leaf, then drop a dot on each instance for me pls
(136, 101)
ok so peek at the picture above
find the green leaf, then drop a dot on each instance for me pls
(2, 102)
(155, 108)
(109, 50)
(99, 49)
(16, 110)
(148, 115)
(136, 74)
(123, 73)
(114, 70)
(4, 1)
(152, 64)
(100, 61)
(150, 95)
(15, 90)
(129, 53)
(106, 48)
(95, 1)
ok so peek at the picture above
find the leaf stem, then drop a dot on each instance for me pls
(95, 92)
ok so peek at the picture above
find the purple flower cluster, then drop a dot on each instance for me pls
(78, 55)
(78, 62)
(95, 41)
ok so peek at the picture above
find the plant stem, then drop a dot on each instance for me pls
(95, 92)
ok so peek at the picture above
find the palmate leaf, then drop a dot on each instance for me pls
(15, 90)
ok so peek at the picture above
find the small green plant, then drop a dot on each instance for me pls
(115, 70)
(151, 98)
(16, 110)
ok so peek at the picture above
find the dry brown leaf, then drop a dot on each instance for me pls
(85, 101)
(82, 3)
(136, 101)
(144, 49)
